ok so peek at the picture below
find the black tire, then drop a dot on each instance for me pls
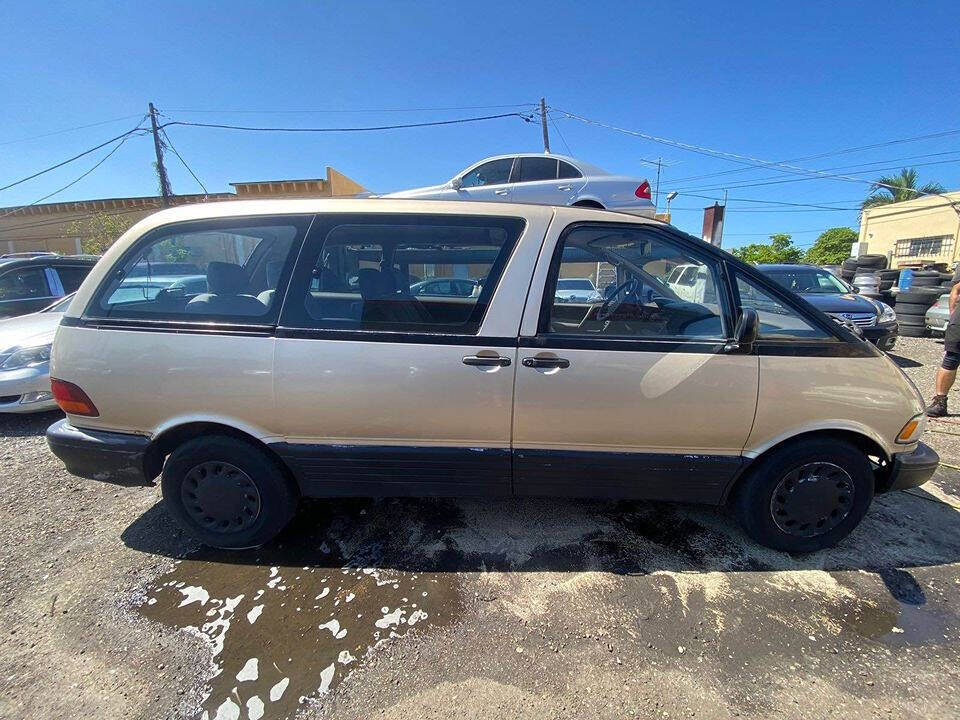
(872, 261)
(913, 331)
(926, 282)
(926, 273)
(889, 274)
(849, 264)
(885, 284)
(848, 275)
(904, 308)
(843, 496)
(918, 296)
(251, 492)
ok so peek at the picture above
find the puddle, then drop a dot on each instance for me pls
(288, 624)
(902, 625)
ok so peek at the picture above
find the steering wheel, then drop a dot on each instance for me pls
(613, 303)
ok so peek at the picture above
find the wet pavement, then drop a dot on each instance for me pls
(287, 624)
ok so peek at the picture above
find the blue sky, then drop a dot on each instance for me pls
(767, 80)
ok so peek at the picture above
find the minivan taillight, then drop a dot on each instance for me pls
(643, 192)
(72, 399)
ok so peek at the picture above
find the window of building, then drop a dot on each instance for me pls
(636, 298)
(776, 319)
(924, 246)
(428, 274)
(215, 270)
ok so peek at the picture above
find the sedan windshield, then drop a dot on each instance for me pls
(809, 281)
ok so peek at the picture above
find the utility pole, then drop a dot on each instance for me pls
(543, 124)
(656, 193)
(158, 148)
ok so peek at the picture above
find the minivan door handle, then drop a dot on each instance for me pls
(487, 361)
(541, 362)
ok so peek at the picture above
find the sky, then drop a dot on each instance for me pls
(768, 81)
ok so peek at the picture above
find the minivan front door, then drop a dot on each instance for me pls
(637, 394)
(383, 392)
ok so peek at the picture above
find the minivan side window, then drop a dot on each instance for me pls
(638, 290)
(777, 321)
(421, 274)
(229, 270)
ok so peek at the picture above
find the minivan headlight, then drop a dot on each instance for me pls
(27, 357)
(887, 313)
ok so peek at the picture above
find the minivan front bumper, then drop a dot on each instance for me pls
(100, 455)
(911, 469)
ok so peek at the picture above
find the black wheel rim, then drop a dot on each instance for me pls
(812, 499)
(220, 497)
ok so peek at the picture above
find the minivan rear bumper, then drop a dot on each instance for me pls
(911, 469)
(100, 455)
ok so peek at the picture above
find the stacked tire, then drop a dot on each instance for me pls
(867, 263)
(912, 305)
(888, 278)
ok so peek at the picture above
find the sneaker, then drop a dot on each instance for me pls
(938, 406)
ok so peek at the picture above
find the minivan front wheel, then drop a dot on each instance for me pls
(805, 496)
(227, 493)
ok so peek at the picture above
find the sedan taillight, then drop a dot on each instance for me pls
(643, 192)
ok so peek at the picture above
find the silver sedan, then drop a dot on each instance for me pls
(25, 359)
(544, 180)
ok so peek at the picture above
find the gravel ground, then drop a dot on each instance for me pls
(493, 609)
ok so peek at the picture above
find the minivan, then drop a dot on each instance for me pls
(306, 367)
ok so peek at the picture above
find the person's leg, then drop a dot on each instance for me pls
(945, 378)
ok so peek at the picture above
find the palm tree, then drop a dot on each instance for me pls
(897, 188)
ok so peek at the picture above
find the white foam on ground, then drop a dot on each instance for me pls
(254, 613)
(326, 677)
(194, 594)
(276, 692)
(249, 671)
(255, 708)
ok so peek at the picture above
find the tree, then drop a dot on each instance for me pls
(832, 247)
(99, 232)
(899, 187)
(780, 250)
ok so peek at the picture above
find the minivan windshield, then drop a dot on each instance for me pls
(808, 281)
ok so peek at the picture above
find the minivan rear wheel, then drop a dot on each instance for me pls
(227, 493)
(805, 496)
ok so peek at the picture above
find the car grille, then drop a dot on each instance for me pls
(858, 319)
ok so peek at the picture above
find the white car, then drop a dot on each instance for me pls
(25, 359)
(576, 290)
(541, 179)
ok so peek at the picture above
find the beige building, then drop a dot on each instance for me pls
(914, 232)
(58, 227)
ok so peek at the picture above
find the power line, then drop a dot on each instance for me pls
(833, 153)
(223, 126)
(184, 162)
(744, 159)
(75, 157)
(356, 111)
(562, 138)
(70, 184)
(66, 130)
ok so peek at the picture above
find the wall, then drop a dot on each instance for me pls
(926, 217)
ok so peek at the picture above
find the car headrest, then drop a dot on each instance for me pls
(225, 278)
(375, 284)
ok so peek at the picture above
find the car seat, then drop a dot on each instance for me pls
(226, 282)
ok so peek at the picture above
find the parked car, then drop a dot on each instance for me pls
(876, 320)
(457, 287)
(938, 317)
(25, 359)
(754, 399)
(31, 281)
(576, 290)
(543, 179)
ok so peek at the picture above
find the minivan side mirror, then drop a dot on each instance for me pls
(745, 333)
(456, 183)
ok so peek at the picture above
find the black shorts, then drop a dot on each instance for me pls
(951, 360)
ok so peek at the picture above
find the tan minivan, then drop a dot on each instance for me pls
(251, 353)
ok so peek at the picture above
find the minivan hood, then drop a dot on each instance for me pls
(845, 303)
(28, 330)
